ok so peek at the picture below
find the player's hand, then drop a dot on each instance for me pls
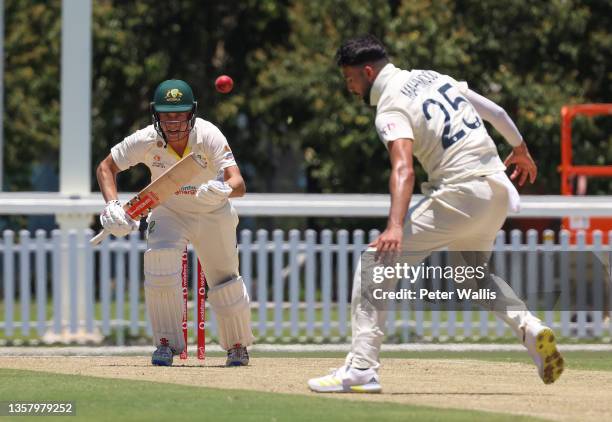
(524, 166)
(389, 243)
(116, 221)
(214, 192)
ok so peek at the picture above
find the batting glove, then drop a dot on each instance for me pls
(116, 221)
(214, 192)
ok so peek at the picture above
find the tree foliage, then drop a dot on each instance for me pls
(292, 125)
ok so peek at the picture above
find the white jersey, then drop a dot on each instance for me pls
(449, 137)
(205, 140)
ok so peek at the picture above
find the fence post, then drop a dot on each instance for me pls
(89, 298)
(294, 281)
(278, 282)
(310, 282)
(24, 281)
(57, 283)
(74, 289)
(262, 280)
(500, 256)
(120, 290)
(105, 285)
(564, 276)
(326, 274)
(597, 286)
(533, 281)
(41, 282)
(434, 262)
(581, 284)
(134, 281)
(246, 263)
(342, 292)
(9, 282)
(547, 270)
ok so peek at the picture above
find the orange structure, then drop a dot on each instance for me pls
(570, 171)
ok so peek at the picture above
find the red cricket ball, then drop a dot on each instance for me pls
(224, 84)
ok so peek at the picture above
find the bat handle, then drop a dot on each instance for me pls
(99, 237)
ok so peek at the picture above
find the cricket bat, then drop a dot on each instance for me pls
(158, 191)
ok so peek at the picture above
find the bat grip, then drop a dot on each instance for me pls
(99, 237)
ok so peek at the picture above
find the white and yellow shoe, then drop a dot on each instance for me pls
(542, 347)
(347, 380)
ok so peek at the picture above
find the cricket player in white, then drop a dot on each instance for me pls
(199, 213)
(467, 195)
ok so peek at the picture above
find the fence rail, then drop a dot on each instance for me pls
(299, 282)
(302, 205)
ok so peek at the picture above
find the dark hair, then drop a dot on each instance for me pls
(360, 50)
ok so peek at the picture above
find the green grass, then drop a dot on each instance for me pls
(99, 399)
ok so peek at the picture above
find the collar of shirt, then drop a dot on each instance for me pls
(381, 82)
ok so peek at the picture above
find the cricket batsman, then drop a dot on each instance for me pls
(199, 213)
(439, 121)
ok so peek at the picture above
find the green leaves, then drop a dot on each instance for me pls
(290, 116)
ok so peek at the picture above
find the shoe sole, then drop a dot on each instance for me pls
(232, 364)
(552, 360)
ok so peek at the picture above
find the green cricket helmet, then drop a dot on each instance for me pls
(173, 96)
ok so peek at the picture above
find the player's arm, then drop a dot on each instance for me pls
(497, 116)
(401, 185)
(113, 218)
(106, 173)
(525, 167)
(233, 178)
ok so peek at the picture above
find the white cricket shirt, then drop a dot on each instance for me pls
(205, 140)
(450, 140)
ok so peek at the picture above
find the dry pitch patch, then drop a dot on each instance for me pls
(462, 384)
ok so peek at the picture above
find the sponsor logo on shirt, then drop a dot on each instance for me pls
(187, 190)
(157, 162)
(388, 129)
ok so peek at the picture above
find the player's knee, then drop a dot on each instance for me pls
(162, 267)
(230, 297)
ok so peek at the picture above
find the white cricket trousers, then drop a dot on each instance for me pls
(212, 234)
(461, 217)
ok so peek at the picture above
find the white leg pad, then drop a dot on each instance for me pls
(163, 296)
(230, 301)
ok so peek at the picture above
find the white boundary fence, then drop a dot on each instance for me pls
(299, 282)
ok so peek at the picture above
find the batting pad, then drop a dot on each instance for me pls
(230, 301)
(163, 296)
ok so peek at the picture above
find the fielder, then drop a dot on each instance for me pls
(199, 213)
(467, 195)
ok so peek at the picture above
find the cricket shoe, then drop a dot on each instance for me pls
(163, 355)
(541, 346)
(347, 380)
(237, 356)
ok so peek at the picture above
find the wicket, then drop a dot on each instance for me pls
(201, 304)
